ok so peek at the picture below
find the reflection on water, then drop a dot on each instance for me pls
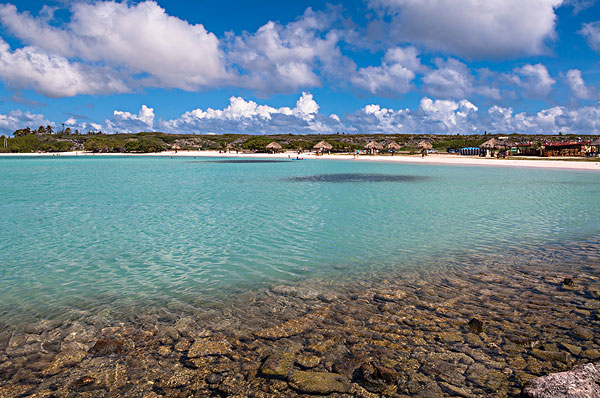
(357, 177)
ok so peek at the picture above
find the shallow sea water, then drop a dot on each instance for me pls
(377, 260)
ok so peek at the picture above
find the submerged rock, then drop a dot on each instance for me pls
(580, 382)
(583, 333)
(308, 361)
(83, 383)
(568, 282)
(476, 325)
(109, 346)
(319, 382)
(209, 346)
(377, 378)
(278, 365)
(64, 360)
(551, 355)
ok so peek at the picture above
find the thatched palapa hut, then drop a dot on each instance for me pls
(490, 145)
(274, 147)
(323, 146)
(393, 147)
(373, 147)
(426, 145)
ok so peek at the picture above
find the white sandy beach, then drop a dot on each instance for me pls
(416, 159)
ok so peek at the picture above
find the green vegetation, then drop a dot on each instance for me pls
(44, 139)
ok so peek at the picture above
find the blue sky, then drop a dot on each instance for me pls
(385, 66)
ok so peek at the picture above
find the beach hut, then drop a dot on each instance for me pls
(393, 147)
(274, 147)
(426, 145)
(373, 147)
(489, 146)
(595, 146)
(322, 147)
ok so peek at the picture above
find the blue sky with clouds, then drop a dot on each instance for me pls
(436, 66)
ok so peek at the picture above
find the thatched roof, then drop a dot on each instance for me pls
(274, 145)
(596, 142)
(374, 145)
(490, 144)
(394, 146)
(323, 145)
(508, 143)
(425, 145)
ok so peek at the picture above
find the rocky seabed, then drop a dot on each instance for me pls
(485, 330)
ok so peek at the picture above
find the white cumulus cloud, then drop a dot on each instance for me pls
(534, 79)
(577, 84)
(141, 38)
(453, 79)
(591, 32)
(18, 119)
(394, 76)
(53, 75)
(126, 122)
(474, 28)
(283, 58)
(249, 117)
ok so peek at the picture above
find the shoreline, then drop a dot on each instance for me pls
(436, 159)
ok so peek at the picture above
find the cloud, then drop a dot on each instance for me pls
(54, 75)
(141, 38)
(17, 119)
(579, 5)
(450, 117)
(393, 77)
(453, 79)
(126, 122)
(534, 79)
(282, 59)
(577, 85)
(439, 116)
(591, 32)
(473, 28)
(248, 117)
(584, 120)
(431, 116)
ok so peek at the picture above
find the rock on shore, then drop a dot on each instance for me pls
(580, 382)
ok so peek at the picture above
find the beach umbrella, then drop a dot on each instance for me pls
(374, 145)
(274, 146)
(323, 146)
(393, 146)
(425, 145)
(490, 144)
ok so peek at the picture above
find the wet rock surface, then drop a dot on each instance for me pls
(408, 333)
(580, 382)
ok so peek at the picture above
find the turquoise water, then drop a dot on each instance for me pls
(104, 231)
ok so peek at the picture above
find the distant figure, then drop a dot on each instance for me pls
(357, 153)
(423, 153)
